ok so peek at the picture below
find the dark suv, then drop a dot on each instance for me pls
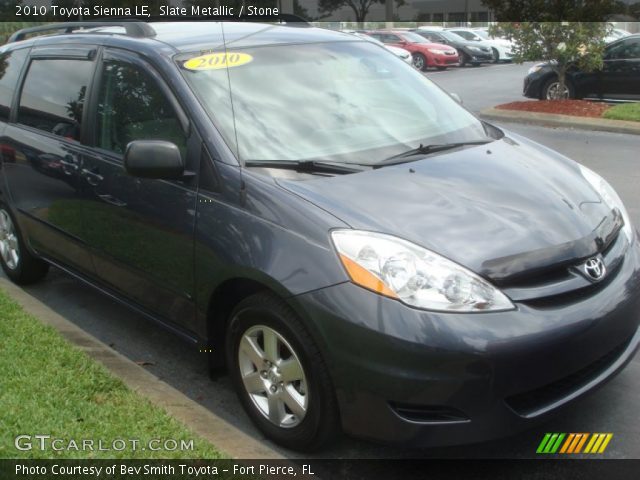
(355, 247)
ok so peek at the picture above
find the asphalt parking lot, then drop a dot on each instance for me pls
(611, 409)
(484, 86)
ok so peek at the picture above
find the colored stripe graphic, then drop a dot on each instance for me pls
(573, 443)
(567, 443)
(550, 443)
(581, 442)
(543, 443)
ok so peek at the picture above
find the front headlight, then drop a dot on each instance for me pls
(436, 51)
(609, 197)
(535, 68)
(418, 277)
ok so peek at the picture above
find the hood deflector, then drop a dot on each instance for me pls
(534, 264)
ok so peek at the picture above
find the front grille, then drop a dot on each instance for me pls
(429, 413)
(527, 403)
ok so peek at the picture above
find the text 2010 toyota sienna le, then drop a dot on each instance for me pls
(359, 251)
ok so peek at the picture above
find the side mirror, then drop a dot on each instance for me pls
(154, 159)
(456, 97)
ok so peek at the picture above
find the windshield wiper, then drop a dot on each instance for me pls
(305, 166)
(405, 157)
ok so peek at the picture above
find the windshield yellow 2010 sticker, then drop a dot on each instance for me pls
(215, 61)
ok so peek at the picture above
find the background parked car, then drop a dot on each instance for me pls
(469, 52)
(424, 53)
(616, 34)
(403, 54)
(619, 78)
(501, 47)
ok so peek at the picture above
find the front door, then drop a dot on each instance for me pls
(621, 72)
(141, 230)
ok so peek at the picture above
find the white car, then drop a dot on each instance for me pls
(616, 34)
(500, 47)
(401, 53)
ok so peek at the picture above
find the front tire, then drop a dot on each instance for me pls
(419, 61)
(496, 55)
(16, 260)
(551, 90)
(463, 58)
(279, 374)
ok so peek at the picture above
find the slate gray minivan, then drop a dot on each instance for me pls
(356, 249)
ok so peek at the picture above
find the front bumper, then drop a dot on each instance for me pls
(532, 85)
(445, 60)
(404, 375)
(480, 57)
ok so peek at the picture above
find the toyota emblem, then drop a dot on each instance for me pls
(594, 268)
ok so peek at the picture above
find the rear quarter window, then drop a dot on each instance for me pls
(11, 64)
(53, 96)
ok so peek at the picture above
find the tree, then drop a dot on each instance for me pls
(360, 7)
(553, 10)
(8, 11)
(561, 44)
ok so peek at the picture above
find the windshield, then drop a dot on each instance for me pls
(467, 35)
(413, 37)
(347, 102)
(451, 36)
(482, 34)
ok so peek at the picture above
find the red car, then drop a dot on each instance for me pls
(425, 54)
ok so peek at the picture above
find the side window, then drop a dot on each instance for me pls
(624, 50)
(10, 66)
(53, 94)
(465, 35)
(131, 107)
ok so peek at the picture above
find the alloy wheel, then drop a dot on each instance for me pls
(9, 248)
(554, 92)
(418, 62)
(273, 376)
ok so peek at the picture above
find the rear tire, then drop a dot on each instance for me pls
(17, 262)
(285, 389)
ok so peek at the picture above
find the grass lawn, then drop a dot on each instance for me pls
(625, 111)
(47, 386)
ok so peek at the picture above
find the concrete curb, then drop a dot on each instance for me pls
(566, 121)
(224, 436)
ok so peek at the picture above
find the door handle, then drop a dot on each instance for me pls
(69, 165)
(93, 178)
(111, 200)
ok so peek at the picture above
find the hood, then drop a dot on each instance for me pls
(499, 209)
(462, 42)
(438, 46)
(501, 41)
